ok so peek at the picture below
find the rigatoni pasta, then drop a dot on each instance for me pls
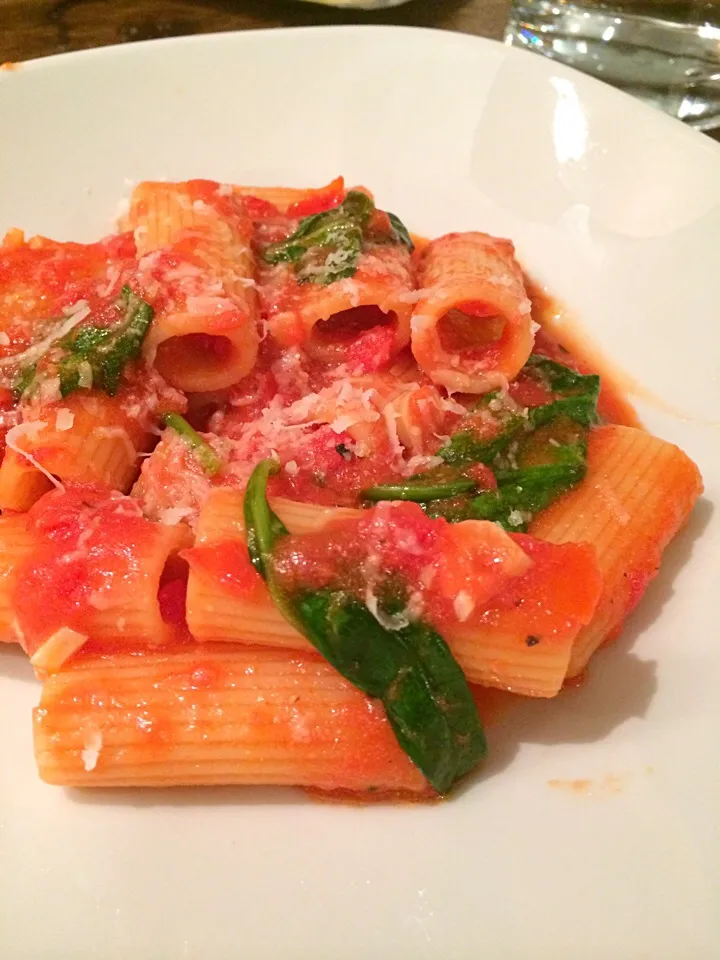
(193, 241)
(281, 490)
(214, 715)
(472, 328)
(638, 492)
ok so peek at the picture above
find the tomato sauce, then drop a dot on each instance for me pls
(560, 341)
(88, 541)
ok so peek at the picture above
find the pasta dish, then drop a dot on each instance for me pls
(284, 487)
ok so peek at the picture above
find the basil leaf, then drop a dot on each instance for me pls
(426, 696)
(202, 451)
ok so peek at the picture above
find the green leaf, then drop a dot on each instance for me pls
(426, 696)
(326, 246)
(85, 340)
(412, 670)
(400, 231)
(577, 394)
(23, 381)
(114, 353)
(535, 457)
(520, 493)
(69, 374)
(202, 451)
(263, 527)
(464, 447)
(421, 488)
(576, 397)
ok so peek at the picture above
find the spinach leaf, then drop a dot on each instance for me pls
(576, 394)
(426, 696)
(107, 350)
(421, 488)
(92, 356)
(536, 456)
(202, 451)
(23, 381)
(465, 447)
(400, 233)
(326, 246)
(520, 493)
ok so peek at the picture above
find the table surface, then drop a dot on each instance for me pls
(37, 28)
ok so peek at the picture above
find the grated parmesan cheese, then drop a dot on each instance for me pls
(411, 296)
(395, 621)
(74, 314)
(463, 605)
(421, 322)
(57, 649)
(515, 518)
(92, 745)
(171, 516)
(64, 419)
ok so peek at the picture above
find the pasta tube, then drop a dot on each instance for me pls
(638, 492)
(471, 331)
(97, 564)
(341, 286)
(215, 714)
(520, 642)
(16, 543)
(194, 242)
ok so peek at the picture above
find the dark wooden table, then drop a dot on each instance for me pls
(36, 28)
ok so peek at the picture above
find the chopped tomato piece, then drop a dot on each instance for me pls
(227, 564)
(476, 560)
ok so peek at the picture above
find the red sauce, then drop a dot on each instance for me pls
(87, 541)
(566, 345)
(259, 209)
(227, 564)
(319, 202)
(400, 553)
(40, 278)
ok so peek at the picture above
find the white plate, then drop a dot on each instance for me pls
(616, 208)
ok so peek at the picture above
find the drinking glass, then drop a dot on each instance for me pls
(666, 52)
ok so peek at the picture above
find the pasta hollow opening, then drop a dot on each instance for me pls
(470, 328)
(194, 357)
(172, 590)
(330, 338)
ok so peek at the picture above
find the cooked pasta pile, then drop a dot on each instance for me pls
(282, 488)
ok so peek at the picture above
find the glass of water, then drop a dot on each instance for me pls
(665, 51)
